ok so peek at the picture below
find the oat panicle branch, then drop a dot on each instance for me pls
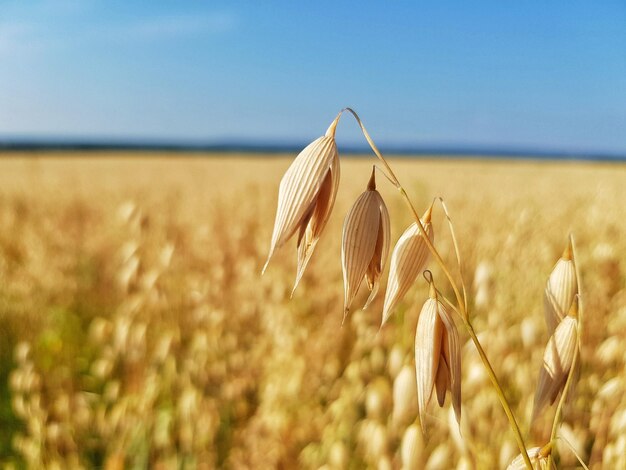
(460, 299)
(306, 196)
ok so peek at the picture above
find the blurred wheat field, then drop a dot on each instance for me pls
(137, 331)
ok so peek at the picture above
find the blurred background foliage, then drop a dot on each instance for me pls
(137, 332)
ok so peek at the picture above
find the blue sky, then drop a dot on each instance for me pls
(543, 75)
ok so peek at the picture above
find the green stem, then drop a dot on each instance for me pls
(462, 304)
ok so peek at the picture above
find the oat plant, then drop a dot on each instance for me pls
(305, 200)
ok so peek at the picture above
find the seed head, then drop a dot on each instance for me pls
(437, 356)
(407, 261)
(365, 246)
(557, 362)
(306, 197)
(560, 290)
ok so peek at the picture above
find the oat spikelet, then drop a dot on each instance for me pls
(365, 245)
(407, 261)
(538, 457)
(557, 362)
(306, 197)
(560, 290)
(437, 357)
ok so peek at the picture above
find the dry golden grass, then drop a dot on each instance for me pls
(136, 330)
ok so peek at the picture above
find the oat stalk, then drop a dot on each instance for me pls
(462, 305)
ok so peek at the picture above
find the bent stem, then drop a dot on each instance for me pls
(460, 300)
(394, 179)
(558, 415)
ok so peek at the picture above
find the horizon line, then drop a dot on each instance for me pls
(17, 144)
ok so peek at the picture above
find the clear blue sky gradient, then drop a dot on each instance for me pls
(532, 74)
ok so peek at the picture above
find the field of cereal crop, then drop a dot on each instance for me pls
(137, 332)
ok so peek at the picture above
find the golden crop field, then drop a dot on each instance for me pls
(136, 330)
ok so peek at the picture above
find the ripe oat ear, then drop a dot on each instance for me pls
(375, 269)
(311, 229)
(364, 244)
(306, 196)
(437, 355)
(428, 336)
(407, 260)
(557, 362)
(360, 233)
(560, 289)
